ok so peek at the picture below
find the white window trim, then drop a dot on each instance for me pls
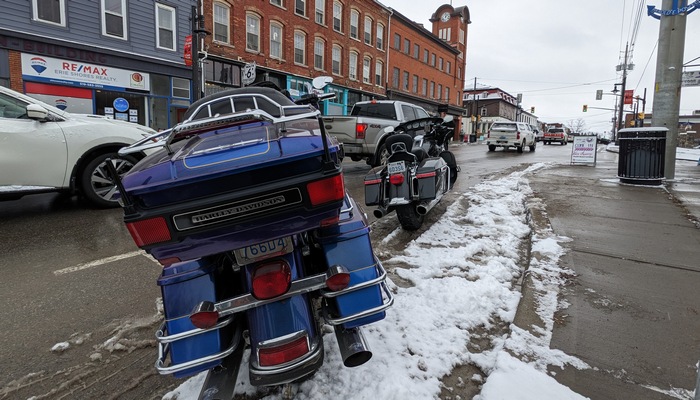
(321, 11)
(380, 36)
(339, 18)
(122, 15)
(35, 12)
(339, 59)
(228, 22)
(352, 65)
(367, 35)
(259, 32)
(160, 6)
(303, 49)
(322, 54)
(356, 25)
(280, 41)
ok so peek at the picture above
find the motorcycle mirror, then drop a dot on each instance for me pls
(389, 129)
(448, 118)
(320, 82)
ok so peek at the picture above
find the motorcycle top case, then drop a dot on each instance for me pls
(183, 286)
(231, 187)
(348, 244)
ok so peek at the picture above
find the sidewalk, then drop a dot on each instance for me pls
(632, 306)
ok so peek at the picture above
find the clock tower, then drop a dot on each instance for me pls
(450, 25)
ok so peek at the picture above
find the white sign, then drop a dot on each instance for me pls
(584, 150)
(248, 74)
(691, 78)
(75, 73)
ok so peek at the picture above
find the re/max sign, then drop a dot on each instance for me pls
(84, 68)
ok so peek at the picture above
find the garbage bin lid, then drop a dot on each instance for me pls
(645, 129)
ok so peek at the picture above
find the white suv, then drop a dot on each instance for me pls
(511, 134)
(44, 149)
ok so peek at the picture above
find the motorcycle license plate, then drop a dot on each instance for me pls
(261, 251)
(396, 167)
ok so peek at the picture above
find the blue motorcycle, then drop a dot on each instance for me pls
(244, 205)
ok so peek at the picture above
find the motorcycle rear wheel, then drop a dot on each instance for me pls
(409, 218)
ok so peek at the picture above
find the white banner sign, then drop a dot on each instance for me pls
(75, 73)
(584, 150)
(691, 78)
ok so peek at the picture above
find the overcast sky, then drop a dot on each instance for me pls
(558, 53)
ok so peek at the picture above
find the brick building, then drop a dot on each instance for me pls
(485, 106)
(688, 127)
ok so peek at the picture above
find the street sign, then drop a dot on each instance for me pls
(691, 78)
(248, 74)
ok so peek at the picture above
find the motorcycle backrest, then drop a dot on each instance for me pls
(399, 142)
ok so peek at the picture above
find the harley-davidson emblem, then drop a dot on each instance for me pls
(233, 211)
(243, 208)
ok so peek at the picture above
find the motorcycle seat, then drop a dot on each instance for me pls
(394, 142)
(420, 154)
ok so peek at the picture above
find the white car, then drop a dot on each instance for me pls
(44, 149)
(511, 134)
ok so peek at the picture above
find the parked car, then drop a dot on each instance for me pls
(511, 134)
(538, 133)
(45, 149)
(364, 131)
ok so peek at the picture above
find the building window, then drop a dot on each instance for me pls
(395, 78)
(461, 36)
(354, 24)
(380, 36)
(416, 51)
(319, 50)
(414, 87)
(114, 18)
(425, 56)
(432, 60)
(366, 72)
(165, 22)
(445, 34)
(221, 22)
(432, 90)
(277, 3)
(352, 66)
(52, 11)
(368, 31)
(439, 91)
(405, 81)
(336, 59)
(275, 40)
(440, 63)
(300, 7)
(424, 87)
(252, 33)
(397, 41)
(321, 12)
(181, 88)
(449, 67)
(337, 16)
(447, 93)
(378, 70)
(407, 46)
(299, 48)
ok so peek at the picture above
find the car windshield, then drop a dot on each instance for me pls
(32, 100)
(503, 126)
(556, 130)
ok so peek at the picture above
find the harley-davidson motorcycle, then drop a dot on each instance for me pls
(244, 205)
(417, 174)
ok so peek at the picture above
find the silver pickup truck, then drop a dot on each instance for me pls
(363, 132)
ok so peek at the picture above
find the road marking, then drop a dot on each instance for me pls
(99, 262)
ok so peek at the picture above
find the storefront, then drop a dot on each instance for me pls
(154, 100)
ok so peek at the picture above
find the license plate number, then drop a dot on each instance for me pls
(396, 167)
(261, 251)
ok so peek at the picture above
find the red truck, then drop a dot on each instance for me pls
(557, 134)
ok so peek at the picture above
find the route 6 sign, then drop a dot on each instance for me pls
(248, 74)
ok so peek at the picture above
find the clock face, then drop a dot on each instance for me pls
(445, 17)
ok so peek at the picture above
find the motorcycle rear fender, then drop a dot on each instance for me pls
(431, 177)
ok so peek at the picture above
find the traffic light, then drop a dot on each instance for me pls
(532, 110)
(585, 108)
(640, 115)
(599, 94)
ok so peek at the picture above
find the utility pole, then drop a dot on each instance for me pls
(197, 30)
(667, 86)
(476, 111)
(620, 117)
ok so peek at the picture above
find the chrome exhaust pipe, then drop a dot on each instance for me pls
(425, 206)
(353, 346)
(379, 212)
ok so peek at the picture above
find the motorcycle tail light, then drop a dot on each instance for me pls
(360, 131)
(205, 315)
(426, 175)
(396, 179)
(326, 190)
(149, 231)
(276, 355)
(338, 281)
(271, 279)
(330, 221)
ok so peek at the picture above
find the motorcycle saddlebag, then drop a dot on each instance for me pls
(373, 183)
(431, 176)
(183, 286)
(348, 244)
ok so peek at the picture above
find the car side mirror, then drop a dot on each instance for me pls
(37, 112)
(389, 129)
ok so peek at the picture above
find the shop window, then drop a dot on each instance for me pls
(181, 88)
(160, 85)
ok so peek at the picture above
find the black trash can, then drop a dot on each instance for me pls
(472, 138)
(642, 155)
